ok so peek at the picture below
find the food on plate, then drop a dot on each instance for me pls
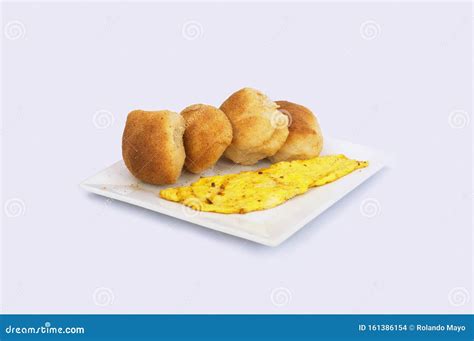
(259, 128)
(261, 189)
(305, 139)
(152, 146)
(207, 135)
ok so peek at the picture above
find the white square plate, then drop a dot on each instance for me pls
(270, 227)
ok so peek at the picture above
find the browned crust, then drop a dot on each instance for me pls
(305, 139)
(152, 147)
(248, 111)
(251, 112)
(252, 156)
(302, 119)
(208, 133)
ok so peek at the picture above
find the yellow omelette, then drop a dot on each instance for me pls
(264, 188)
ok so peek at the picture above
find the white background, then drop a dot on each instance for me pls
(393, 76)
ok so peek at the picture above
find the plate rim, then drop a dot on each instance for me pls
(378, 161)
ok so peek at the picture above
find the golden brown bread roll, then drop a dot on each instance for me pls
(259, 129)
(152, 146)
(208, 133)
(305, 140)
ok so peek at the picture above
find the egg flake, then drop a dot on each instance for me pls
(262, 189)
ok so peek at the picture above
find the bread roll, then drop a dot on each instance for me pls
(305, 140)
(152, 146)
(208, 133)
(259, 129)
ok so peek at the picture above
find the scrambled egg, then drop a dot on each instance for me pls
(261, 189)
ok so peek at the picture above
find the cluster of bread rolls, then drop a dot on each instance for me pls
(247, 127)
